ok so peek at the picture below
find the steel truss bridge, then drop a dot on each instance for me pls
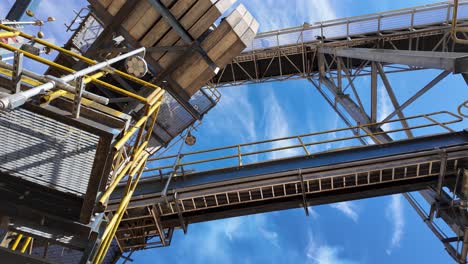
(330, 55)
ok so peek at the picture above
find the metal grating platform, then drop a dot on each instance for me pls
(42, 150)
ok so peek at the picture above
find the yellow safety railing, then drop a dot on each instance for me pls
(236, 155)
(14, 243)
(130, 151)
(462, 108)
(455, 29)
(132, 144)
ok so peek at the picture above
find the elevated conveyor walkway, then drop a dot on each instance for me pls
(174, 198)
(291, 53)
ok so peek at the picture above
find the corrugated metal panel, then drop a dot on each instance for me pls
(45, 151)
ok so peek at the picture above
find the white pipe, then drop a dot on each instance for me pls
(69, 88)
(18, 99)
(18, 23)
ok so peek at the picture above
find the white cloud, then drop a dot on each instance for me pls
(394, 213)
(218, 236)
(385, 108)
(277, 126)
(321, 253)
(313, 213)
(347, 208)
(270, 13)
(316, 10)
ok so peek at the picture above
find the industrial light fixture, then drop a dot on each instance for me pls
(190, 139)
(136, 66)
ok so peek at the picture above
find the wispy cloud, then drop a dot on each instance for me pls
(220, 237)
(236, 112)
(313, 213)
(305, 11)
(394, 213)
(316, 11)
(347, 208)
(277, 126)
(385, 106)
(320, 253)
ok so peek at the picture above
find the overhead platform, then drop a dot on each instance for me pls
(292, 53)
(185, 49)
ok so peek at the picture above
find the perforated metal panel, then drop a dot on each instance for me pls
(173, 118)
(42, 150)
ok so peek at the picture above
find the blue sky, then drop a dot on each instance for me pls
(378, 230)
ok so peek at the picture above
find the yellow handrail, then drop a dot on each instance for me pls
(456, 29)
(235, 152)
(78, 56)
(134, 167)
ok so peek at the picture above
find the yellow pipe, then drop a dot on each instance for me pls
(26, 244)
(56, 94)
(24, 79)
(9, 34)
(78, 56)
(113, 225)
(117, 179)
(132, 131)
(52, 96)
(153, 122)
(61, 67)
(93, 77)
(17, 241)
(114, 184)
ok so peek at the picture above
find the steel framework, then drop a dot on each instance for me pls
(124, 155)
(330, 55)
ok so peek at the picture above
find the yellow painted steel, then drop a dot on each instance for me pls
(135, 147)
(61, 67)
(26, 244)
(9, 34)
(135, 166)
(58, 93)
(24, 79)
(136, 154)
(78, 56)
(135, 128)
(52, 95)
(17, 241)
(456, 29)
(113, 226)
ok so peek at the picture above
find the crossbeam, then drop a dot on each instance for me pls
(455, 62)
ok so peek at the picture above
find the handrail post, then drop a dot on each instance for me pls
(239, 156)
(303, 145)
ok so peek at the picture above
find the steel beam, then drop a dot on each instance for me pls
(173, 88)
(393, 98)
(373, 117)
(353, 110)
(449, 61)
(184, 35)
(336, 109)
(418, 94)
(18, 9)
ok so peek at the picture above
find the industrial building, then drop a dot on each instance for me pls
(99, 135)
